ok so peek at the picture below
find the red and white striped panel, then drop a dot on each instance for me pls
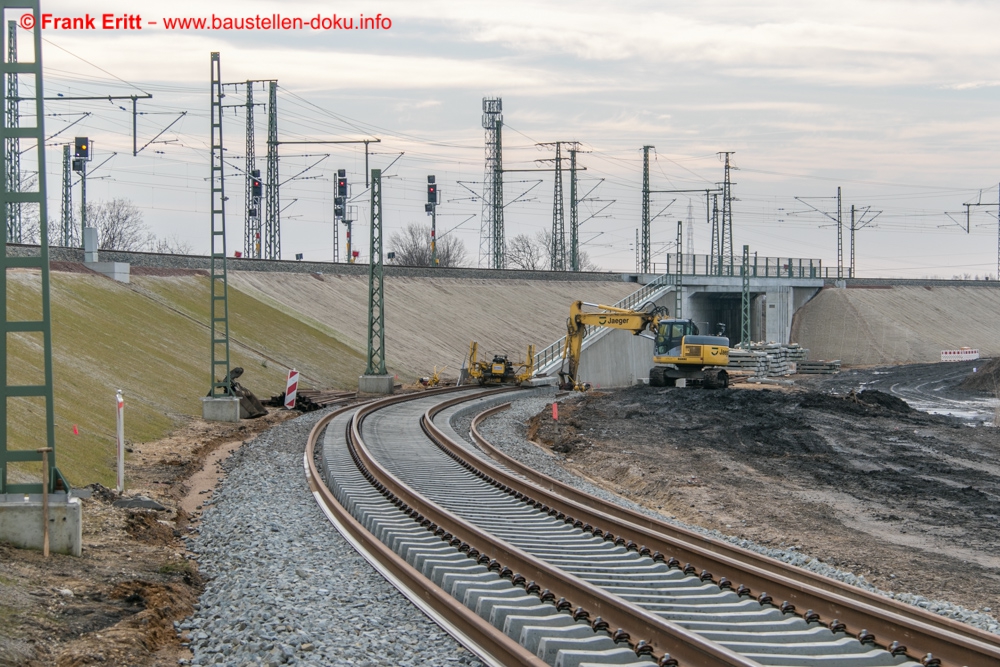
(291, 388)
(965, 354)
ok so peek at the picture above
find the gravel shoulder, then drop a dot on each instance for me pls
(867, 490)
(284, 587)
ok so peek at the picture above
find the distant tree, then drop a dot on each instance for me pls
(173, 245)
(543, 240)
(119, 226)
(523, 252)
(412, 247)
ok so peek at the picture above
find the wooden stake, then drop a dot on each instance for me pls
(45, 499)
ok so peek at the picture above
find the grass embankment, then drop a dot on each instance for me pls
(149, 339)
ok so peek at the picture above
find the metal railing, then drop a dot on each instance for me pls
(554, 351)
(760, 267)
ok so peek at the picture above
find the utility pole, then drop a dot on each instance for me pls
(492, 246)
(716, 252)
(679, 271)
(726, 230)
(840, 239)
(968, 222)
(252, 227)
(67, 197)
(690, 229)
(557, 247)
(376, 302)
(574, 218)
(219, 311)
(745, 300)
(858, 223)
(272, 216)
(13, 143)
(27, 449)
(645, 209)
(638, 255)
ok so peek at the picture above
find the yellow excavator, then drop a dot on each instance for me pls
(499, 371)
(679, 352)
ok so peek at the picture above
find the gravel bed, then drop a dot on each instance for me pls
(284, 588)
(507, 432)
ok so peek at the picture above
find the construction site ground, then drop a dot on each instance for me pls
(862, 482)
(115, 605)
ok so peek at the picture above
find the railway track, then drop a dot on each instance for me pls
(524, 570)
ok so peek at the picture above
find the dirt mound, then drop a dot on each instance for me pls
(560, 435)
(986, 377)
(144, 526)
(868, 403)
(858, 479)
(133, 639)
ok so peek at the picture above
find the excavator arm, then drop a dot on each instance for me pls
(636, 321)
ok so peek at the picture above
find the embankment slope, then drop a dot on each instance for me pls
(898, 324)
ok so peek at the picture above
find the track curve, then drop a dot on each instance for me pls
(498, 547)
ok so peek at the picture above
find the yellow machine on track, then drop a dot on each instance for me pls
(679, 352)
(499, 371)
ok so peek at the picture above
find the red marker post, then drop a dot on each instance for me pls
(555, 411)
(291, 388)
(121, 442)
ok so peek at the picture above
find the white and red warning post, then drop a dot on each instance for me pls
(291, 388)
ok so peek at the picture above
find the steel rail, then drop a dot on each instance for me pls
(662, 636)
(955, 644)
(482, 639)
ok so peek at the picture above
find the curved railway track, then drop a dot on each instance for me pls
(525, 570)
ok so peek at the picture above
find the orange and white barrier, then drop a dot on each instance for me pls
(963, 354)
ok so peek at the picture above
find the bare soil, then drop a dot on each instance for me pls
(115, 605)
(859, 480)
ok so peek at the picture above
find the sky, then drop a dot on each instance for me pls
(895, 103)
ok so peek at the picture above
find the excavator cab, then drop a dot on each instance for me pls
(670, 334)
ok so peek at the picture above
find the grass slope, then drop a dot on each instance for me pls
(149, 339)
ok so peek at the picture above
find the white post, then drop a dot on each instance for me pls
(121, 442)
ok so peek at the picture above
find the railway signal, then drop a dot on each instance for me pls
(81, 147)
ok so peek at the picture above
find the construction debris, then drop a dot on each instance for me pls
(250, 405)
(307, 400)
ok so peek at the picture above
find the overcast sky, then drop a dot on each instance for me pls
(895, 102)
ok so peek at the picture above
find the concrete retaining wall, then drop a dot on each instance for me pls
(894, 324)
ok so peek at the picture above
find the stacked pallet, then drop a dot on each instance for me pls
(819, 367)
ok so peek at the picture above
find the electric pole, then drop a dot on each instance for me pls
(679, 272)
(252, 227)
(492, 246)
(219, 311)
(13, 143)
(645, 209)
(557, 247)
(67, 197)
(840, 239)
(726, 229)
(272, 217)
(376, 294)
(574, 219)
(716, 252)
(690, 229)
(19, 397)
(745, 300)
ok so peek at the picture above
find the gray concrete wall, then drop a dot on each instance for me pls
(617, 358)
(21, 522)
(163, 261)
